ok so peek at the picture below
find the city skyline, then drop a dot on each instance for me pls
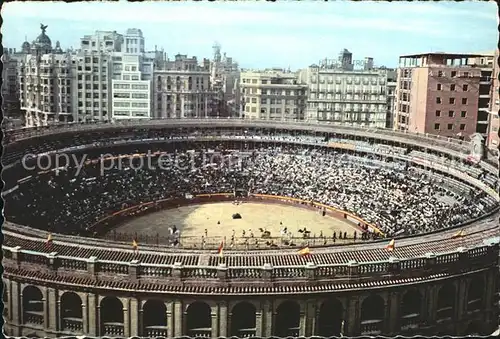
(260, 35)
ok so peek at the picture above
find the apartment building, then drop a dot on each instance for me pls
(224, 79)
(346, 95)
(10, 83)
(79, 85)
(47, 84)
(131, 86)
(182, 89)
(438, 93)
(492, 139)
(272, 95)
(102, 41)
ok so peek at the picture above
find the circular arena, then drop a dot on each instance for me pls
(218, 228)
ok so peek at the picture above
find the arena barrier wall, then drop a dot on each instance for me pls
(104, 225)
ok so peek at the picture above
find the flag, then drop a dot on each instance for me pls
(390, 246)
(49, 240)
(135, 246)
(220, 250)
(305, 251)
(459, 234)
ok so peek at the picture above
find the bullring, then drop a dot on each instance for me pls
(432, 283)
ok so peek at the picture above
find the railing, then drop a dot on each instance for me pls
(112, 329)
(72, 324)
(34, 318)
(156, 331)
(200, 332)
(410, 321)
(372, 327)
(436, 140)
(435, 263)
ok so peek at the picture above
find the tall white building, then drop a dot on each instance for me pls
(131, 87)
(272, 95)
(343, 95)
(182, 89)
(79, 85)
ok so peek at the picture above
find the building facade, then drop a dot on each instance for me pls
(182, 90)
(272, 95)
(356, 97)
(492, 140)
(438, 94)
(10, 83)
(78, 86)
(224, 79)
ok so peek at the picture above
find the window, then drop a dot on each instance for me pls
(451, 114)
(464, 101)
(462, 127)
(438, 113)
(463, 114)
(452, 87)
(438, 87)
(452, 100)
(264, 82)
(465, 87)
(453, 74)
(466, 74)
(436, 126)
(440, 73)
(450, 126)
(438, 100)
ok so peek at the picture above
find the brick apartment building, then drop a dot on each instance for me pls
(439, 93)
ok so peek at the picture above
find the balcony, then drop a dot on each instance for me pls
(72, 324)
(156, 331)
(200, 332)
(112, 329)
(372, 327)
(410, 321)
(246, 333)
(34, 318)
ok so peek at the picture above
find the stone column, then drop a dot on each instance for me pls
(126, 319)
(303, 322)
(267, 317)
(135, 318)
(394, 313)
(53, 308)
(85, 318)
(16, 298)
(432, 303)
(215, 321)
(178, 318)
(223, 319)
(352, 320)
(94, 311)
(461, 307)
(311, 318)
(258, 323)
(170, 323)
(45, 294)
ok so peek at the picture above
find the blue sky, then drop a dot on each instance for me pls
(259, 34)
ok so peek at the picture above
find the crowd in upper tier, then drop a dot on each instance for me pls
(396, 197)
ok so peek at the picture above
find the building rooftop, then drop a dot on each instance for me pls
(448, 55)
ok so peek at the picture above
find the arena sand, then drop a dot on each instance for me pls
(194, 219)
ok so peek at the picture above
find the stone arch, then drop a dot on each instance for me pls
(475, 294)
(446, 301)
(111, 317)
(330, 318)
(243, 320)
(199, 320)
(411, 308)
(154, 315)
(372, 314)
(287, 322)
(33, 305)
(71, 312)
